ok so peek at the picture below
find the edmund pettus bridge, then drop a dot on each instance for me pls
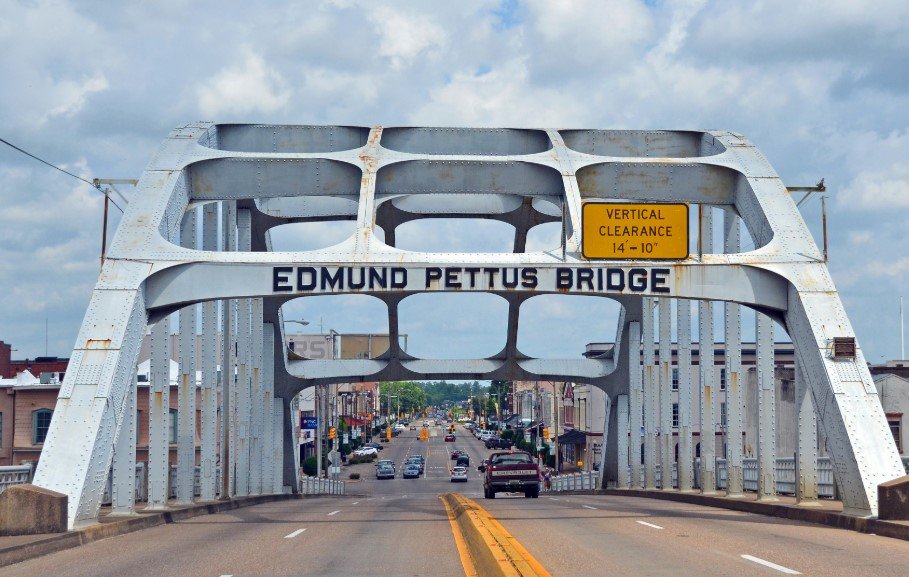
(637, 211)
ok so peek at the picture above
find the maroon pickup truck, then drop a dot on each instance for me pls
(511, 472)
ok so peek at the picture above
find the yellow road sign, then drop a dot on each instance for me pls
(621, 230)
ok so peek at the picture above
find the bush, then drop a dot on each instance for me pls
(309, 466)
(354, 476)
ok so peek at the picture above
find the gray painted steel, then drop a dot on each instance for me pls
(277, 175)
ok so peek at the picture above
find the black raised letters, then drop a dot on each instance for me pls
(280, 279)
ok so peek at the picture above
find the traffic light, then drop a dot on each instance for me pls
(545, 432)
(332, 433)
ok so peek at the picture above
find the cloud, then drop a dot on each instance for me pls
(250, 87)
(404, 36)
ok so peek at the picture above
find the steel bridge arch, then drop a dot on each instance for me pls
(240, 181)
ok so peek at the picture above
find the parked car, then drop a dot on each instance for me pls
(449, 438)
(459, 474)
(413, 427)
(414, 461)
(365, 452)
(411, 471)
(375, 446)
(498, 443)
(385, 472)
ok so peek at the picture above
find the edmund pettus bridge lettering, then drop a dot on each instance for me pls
(310, 279)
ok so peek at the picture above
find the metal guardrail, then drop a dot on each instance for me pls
(575, 481)
(15, 475)
(321, 486)
(785, 474)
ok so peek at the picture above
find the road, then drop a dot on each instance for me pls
(399, 527)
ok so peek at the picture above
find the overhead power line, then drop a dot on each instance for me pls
(42, 161)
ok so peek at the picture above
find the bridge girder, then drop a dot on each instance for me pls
(275, 175)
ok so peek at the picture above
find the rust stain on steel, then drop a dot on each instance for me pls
(98, 344)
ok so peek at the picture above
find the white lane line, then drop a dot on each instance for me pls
(554, 498)
(294, 534)
(649, 524)
(334, 513)
(779, 568)
(588, 507)
(355, 503)
(227, 576)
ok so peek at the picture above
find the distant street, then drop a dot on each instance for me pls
(399, 528)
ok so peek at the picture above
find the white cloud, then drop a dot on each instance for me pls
(249, 87)
(405, 35)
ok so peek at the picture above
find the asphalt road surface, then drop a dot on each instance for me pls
(400, 528)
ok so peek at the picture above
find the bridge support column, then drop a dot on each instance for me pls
(208, 478)
(277, 446)
(635, 403)
(267, 378)
(666, 439)
(159, 416)
(289, 447)
(186, 388)
(766, 391)
(242, 389)
(123, 484)
(735, 398)
(623, 465)
(687, 394)
(651, 398)
(228, 308)
(806, 488)
(707, 371)
(257, 404)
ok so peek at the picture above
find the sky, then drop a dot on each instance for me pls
(820, 87)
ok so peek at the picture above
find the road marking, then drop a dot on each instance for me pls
(334, 513)
(649, 524)
(554, 498)
(588, 507)
(355, 503)
(294, 534)
(779, 568)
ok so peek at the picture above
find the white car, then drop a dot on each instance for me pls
(365, 452)
(459, 474)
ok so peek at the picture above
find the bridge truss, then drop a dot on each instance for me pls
(197, 234)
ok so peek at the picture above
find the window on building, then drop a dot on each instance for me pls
(172, 430)
(722, 414)
(41, 420)
(894, 423)
(722, 379)
(675, 379)
(675, 415)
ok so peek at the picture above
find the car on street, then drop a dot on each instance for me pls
(365, 452)
(458, 474)
(385, 472)
(498, 443)
(463, 460)
(411, 471)
(413, 427)
(414, 461)
(384, 462)
(455, 453)
(512, 472)
(449, 438)
(375, 446)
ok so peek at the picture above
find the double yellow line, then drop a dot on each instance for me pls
(486, 548)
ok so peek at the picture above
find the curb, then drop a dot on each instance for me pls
(492, 550)
(96, 532)
(829, 518)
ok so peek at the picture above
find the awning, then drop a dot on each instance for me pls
(573, 437)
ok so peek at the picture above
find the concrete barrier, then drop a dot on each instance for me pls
(893, 500)
(29, 510)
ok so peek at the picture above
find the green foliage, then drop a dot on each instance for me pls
(309, 466)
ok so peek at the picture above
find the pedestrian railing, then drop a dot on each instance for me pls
(15, 475)
(584, 481)
(321, 486)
